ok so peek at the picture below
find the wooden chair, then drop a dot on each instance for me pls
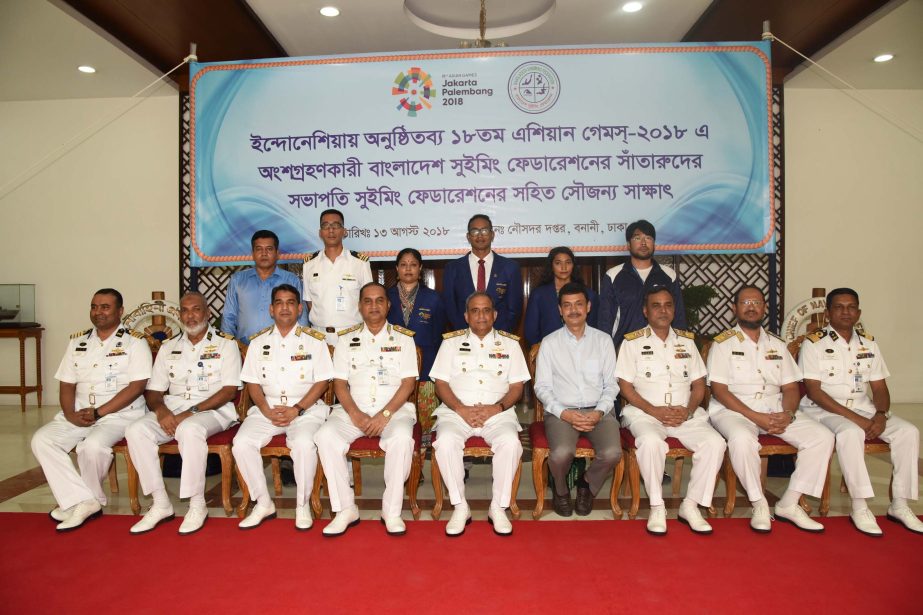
(872, 447)
(541, 450)
(369, 448)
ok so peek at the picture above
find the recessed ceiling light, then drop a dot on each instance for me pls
(86, 69)
(632, 7)
(330, 11)
(885, 57)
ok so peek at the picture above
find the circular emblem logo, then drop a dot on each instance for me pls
(534, 87)
(415, 90)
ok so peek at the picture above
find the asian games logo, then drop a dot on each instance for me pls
(415, 89)
(534, 87)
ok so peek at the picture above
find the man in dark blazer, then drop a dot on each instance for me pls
(483, 270)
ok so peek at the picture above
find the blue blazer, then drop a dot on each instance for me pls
(427, 320)
(543, 317)
(504, 286)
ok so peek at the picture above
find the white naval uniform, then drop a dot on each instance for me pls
(479, 371)
(662, 373)
(332, 288)
(844, 370)
(285, 368)
(754, 372)
(374, 366)
(188, 375)
(100, 369)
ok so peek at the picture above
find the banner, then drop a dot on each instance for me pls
(559, 146)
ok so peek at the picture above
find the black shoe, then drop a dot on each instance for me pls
(287, 472)
(584, 501)
(562, 504)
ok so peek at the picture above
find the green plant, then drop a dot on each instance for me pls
(695, 298)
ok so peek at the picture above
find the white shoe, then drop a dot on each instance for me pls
(657, 521)
(460, 518)
(906, 517)
(394, 526)
(496, 516)
(865, 522)
(257, 516)
(690, 515)
(761, 520)
(61, 514)
(194, 520)
(84, 511)
(344, 520)
(796, 516)
(151, 519)
(303, 518)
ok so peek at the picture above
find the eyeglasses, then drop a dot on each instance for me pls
(331, 226)
(751, 302)
(480, 232)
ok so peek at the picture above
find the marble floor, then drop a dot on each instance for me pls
(23, 487)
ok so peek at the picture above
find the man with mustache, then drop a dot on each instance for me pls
(102, 376)
(190, 395)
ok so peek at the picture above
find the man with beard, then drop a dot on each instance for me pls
(575, 380)
(662, 377)
(754, 384)
(842, 366)
(286, 374)
(374, 377)
(623, 288)
(480, 374)
(246, 305)
(190, 395)
(102, 377)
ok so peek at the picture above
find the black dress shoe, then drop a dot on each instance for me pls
(562, 505)
(584, 501)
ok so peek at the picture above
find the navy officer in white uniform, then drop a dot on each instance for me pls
(286, 371)
(190, 396)
(480, 373)
(374, 378)
(102, 377)
(844, 374)
(662, 377)
(754, 384)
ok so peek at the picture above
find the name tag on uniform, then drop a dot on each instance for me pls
(202, 381)
(112, 380)
(382, 376)
(647, 352)
(737, 353)
(341, 303)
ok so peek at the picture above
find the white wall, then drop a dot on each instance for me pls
(854, 188)
(104, 215)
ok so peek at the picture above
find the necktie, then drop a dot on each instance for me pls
(482, 275)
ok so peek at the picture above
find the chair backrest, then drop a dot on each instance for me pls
(539, 413)
(329, 397)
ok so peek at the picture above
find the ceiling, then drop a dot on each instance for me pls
(131, 42)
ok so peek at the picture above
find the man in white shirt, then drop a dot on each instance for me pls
(575, 381)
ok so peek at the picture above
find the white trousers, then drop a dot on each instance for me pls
(696, 434)
(52, 444)
(904, 438)
(333, 440)
(813, 441)
(256, 432)
(500, 433)
(145, 435)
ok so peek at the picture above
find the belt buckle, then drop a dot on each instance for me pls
(759, 395)
(849, 403)
(92, 399)
(187, 395)
(283, 400)
(330, 329)
(668, 398)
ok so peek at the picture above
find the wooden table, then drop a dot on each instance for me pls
(22, 333)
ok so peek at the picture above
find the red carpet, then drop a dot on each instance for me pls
(597, 566)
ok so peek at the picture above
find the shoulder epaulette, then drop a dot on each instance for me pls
(777, 337)
(509, 335)
(868, 336)
(260, 332)
(683, 333)
(350, 330)
(817, 335)
(635, 334)
(310, 256)
(359, 255)
(452, 334)
(725, 335)
(312, 332)
(407, 332)
(226, 336)
(80, 333)
(137, 334)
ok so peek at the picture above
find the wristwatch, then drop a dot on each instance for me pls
(96, 415)
(194, 410)
(886, 413)
(300, 410)
(386, 414)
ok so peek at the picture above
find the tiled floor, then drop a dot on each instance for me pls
(22, 486)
